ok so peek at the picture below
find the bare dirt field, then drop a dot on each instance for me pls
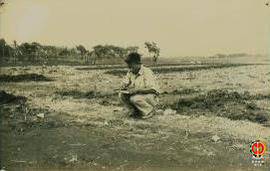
(69, 117)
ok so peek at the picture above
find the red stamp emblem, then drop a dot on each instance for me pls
(257, 148)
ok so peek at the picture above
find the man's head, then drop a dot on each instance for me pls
(133, 61)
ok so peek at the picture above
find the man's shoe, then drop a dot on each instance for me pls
(149, 115)
(131, 113)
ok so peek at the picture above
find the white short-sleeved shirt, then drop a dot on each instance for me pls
(144, 79)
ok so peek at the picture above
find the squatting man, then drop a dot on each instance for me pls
(139, 90)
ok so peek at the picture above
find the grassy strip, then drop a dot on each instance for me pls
(121, 72)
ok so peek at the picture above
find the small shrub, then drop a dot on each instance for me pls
(23, 78)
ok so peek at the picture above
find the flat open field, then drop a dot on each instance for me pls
(69, 117)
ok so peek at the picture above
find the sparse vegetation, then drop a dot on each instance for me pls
(76, 120)
(23, 78)
(232, 105)
(10, 98)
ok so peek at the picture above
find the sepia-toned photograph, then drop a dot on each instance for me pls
(134, 85)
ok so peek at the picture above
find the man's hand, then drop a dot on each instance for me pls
(132, 91)
(124, 85)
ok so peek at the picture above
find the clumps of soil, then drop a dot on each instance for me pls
(21, 117)
(78, 94)
(117, 72)
(10, 98)
(214, 98)
(183, 92)
(233, 105)
(88, 95)
(105, 99)
(23, 78)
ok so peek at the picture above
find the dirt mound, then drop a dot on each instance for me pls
(212, 99)
(232, 105)
(183, 92)
(8, 98)
(88, 95)
(23, 77)
(20, 118)
(78, 94)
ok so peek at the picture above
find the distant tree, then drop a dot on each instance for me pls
(73, 51)
(131, 49)
(2, 47)
(219, 55)
(30, 50)
(15, 53)
(51, 51)
(2, 3)
(100, 51)
(5, 49)
(64, 52)
(111, 51)
(153, 49)
(81, 49)
(8, 50)
(36, 51)
(115, 51)
(26, 48)
(15, 44)
(88, 57)
(83, 52)
(238, 55)
(119, 51)
(93, 56)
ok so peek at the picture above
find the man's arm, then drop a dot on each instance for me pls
(142, 91)
(125, 82)
(151, 82)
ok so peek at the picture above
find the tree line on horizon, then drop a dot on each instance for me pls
(35, 52)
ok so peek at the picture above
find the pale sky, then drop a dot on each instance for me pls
(179, 27)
